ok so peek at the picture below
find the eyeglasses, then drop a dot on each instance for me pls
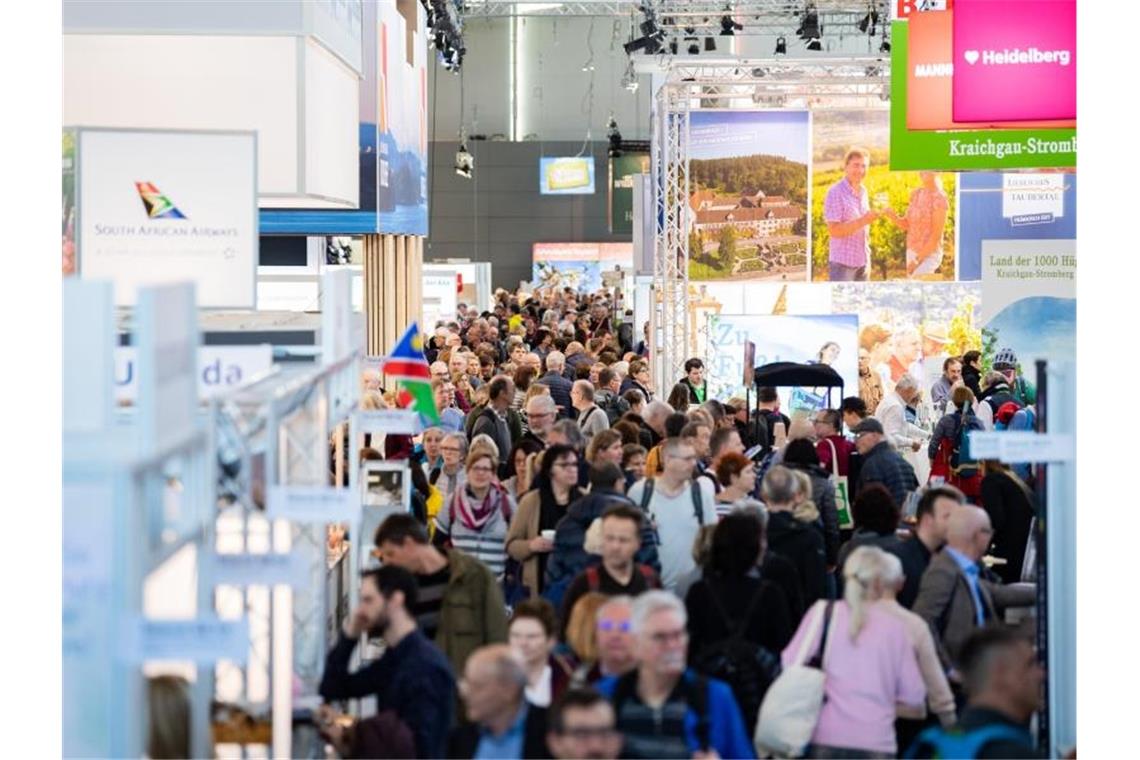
(450, 449)
(610, 625)
(482, 468)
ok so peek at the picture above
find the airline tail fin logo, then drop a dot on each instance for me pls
(157, 205)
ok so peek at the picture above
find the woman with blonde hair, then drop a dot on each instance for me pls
(581, 631)
(605, 446)
(868, 660)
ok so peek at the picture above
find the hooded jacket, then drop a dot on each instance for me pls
(570, 557)
(802, 545)
(823, 495)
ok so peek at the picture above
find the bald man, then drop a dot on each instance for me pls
(502, 723)
(953, 597)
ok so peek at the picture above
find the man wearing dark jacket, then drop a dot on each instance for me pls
(559, 385)
(503, 724)
(881, 463)
(694, 380)
(928, 536)
(972, 371)
(412, 678)
(492, 420)
(569, 557)
(800, 543)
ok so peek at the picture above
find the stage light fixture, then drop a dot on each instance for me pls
(885, 47)
(809, 27)
(815, 44)
(690, 30)
(729, 27)
(710, 44)
(781, 46)
(614, 136)
(870, 21)
(673, 46)
(464, 161)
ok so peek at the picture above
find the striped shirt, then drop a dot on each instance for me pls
(488, 545)
(842, 204)
(429, 600)
(654, 732)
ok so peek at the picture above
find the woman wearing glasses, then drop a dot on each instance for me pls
(531, 538)
(476, 519)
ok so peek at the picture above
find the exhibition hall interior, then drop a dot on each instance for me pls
(583, 379)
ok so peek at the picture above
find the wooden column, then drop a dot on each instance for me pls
(393, 291)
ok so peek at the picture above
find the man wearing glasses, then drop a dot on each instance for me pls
(664, 709)
(540, 413)
(581, 724)
(450, 418)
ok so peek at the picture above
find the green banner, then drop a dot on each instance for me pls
(622, 170)
(992, 149)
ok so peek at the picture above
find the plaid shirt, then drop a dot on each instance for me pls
(843, 205)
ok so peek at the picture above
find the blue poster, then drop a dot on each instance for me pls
(1012, 206)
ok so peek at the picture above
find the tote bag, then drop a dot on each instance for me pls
(791, 707)
(842, 494)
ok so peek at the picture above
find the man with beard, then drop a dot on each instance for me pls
(412, 678)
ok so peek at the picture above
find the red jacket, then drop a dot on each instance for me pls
(843, 449)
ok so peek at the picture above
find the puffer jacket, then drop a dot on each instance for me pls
(570, 557)
(823, 494)
(887, 467)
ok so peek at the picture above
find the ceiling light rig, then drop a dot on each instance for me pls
(652, 36)
(445, 32)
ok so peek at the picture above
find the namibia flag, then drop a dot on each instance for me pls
(406, 363)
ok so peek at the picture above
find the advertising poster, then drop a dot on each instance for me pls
(566, 176)
(623, 169)
(972, 149)
(1013, 206)
(829, 339)
(165, 206)
(914, 237)
(440, 297)
(402, 128)
(912, 326)
(748, 177)
(579, 265)
(582, 276)
(1030, 298)
(930, 78)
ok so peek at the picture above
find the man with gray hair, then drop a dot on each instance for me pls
(503, 724)
(591, 418)
(656, 412)
(891, 413)
(663, 708)
(798, 542)
(540, 414)
(559, 385)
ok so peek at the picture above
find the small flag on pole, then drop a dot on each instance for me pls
(406, 363)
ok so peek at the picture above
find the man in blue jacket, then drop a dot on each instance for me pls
(663, 709)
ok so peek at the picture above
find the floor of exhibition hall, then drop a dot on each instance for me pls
(746, 431)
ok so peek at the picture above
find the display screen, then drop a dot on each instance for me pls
(566, 176)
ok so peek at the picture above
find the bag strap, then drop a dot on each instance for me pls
(646, 494)
(809, 638)
(817, 659)
(697, 687)
(834, 457)
(698, 501)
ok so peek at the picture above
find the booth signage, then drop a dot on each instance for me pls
(623, 170)
(1015, 59)
(203, 640)
(163, 206)
(1017, 446)
(313, 504)
(220, 369)
(999, 149)
(397, 421)
(260, 570)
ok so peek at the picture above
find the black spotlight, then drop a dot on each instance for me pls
(885, 47)
(694, 47)
(728, 27)
(809, 27)
(815, 44)
(690, 30)
(710, 44)
(673, 46)
(869, 21)
(781, 46)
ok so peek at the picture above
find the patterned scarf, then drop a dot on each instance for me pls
(475, 516)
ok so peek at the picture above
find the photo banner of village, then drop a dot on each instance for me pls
(748, 178)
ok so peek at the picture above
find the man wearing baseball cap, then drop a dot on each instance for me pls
(881, 463)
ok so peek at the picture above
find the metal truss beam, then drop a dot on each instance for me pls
(752, 14)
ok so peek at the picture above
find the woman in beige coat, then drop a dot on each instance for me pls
(540, 510)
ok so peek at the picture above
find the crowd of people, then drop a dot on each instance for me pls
(592, 567)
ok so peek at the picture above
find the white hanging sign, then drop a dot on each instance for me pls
(202, 640)
(396, 421)
(313, 504)
(259, 570)
(1018, 446)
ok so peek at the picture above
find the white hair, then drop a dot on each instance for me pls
(906, 383)
(555, 360)
(621, 368)
(652, 602)
(485, 440)
(541, 404)
(657, 409)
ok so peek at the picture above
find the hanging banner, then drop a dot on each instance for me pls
(220, 369)
(995, 149)
(914, 237)
(748, 177)
(1013, 206)
(1029, 297)
(623, 169)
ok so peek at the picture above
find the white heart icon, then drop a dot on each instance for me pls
(971, 57)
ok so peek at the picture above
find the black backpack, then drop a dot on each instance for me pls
(698, 500)
(747, 667)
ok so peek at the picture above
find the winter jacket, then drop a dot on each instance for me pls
(823, 494)
(693, 397)
(490, 423)
(887, 467)
(473, 613)
(570, 557)
(973, 379)
(629, 384)
(559, 391)
(524, 527)
(803, 546)
(612, 404)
